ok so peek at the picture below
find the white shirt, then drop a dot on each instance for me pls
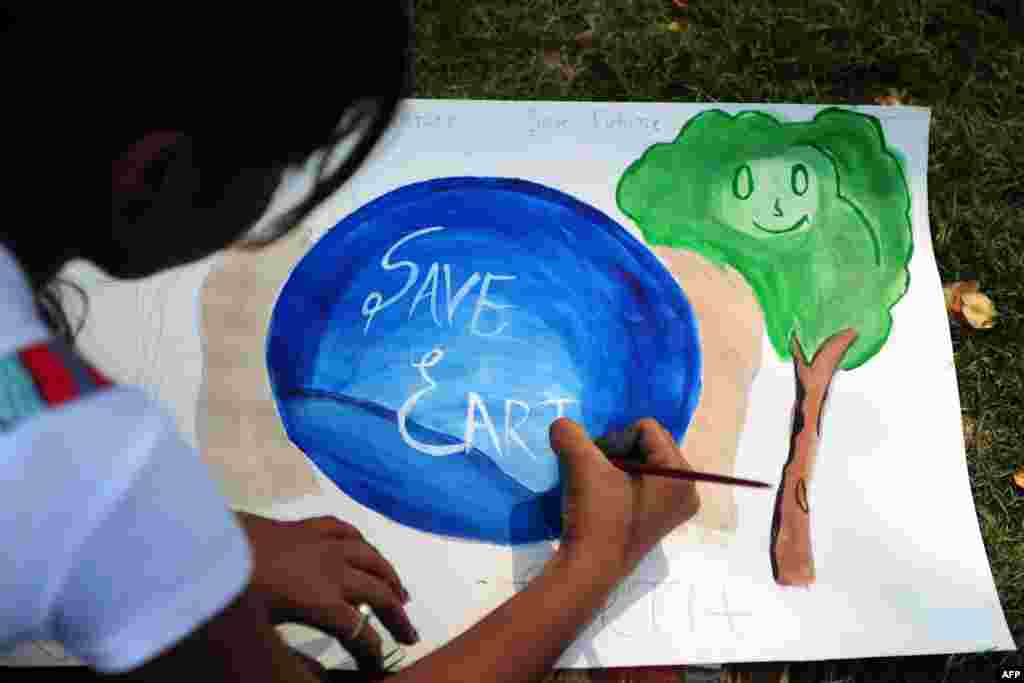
(117, 542)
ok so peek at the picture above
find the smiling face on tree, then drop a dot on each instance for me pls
(814, 214)
(775, 196)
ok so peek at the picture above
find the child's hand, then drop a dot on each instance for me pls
(612, 519)
(317, 571)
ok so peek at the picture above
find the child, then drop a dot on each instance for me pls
(120, 545)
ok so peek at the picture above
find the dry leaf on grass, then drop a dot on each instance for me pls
(895, 98)
(970, 430)
(975, 437)
(1018, 480)
(553, 60)
(585, 39)
(966, 304)
(679, 26)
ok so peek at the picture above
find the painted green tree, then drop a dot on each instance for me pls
(816, 216)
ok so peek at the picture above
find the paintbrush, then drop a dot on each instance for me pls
(623, 450)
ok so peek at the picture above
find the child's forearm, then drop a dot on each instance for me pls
(522, 639)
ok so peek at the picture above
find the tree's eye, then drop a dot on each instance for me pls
(743, 182)
(799, 179)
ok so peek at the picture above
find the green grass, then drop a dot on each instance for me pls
(962, 59)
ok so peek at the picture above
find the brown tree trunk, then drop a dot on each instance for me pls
(792, 559)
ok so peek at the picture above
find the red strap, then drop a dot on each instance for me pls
(55, 382)
(97, 376)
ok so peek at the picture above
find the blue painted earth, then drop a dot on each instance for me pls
(421, 349)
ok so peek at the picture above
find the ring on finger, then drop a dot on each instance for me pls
(364, 616)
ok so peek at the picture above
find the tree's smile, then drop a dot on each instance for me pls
(791, 228)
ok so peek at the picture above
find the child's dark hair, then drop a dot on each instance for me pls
(262, 87)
